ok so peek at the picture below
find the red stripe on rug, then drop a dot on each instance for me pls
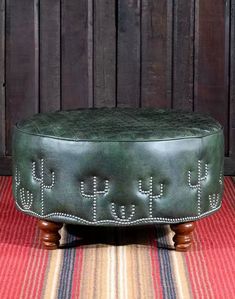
(155, 268)
(77, 273)
(17, 237)
(2, 187)
(210, 263)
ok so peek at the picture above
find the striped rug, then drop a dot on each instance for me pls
(112, 263)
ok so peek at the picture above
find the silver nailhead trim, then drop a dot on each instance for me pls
(95, 194)
(215, 197)
(17, 179)
(41, 180)
(221, 178)
(123, 213)
(138, 221)
(150, 195)
(26, 198)
(198, 186)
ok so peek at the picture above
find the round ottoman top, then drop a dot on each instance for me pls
(118, 166)
(120, 124)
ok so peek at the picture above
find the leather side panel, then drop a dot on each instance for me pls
(118, 182)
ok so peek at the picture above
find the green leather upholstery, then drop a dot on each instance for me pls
(118, 166)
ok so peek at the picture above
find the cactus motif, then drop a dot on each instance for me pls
(122, 212)
(26, 198)
(150, 195)
(95, 194)
(41, 181)
(200, 179)
(215, 197)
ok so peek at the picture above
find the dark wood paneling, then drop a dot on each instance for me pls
(230, 161)
(104, 53)
(183, 45)
(2, 77)
(210, 64)
(21, 62)
(156, 32)
(128, 53)
(232, 81)
(5, 165)
(77, 53)
(49, 55)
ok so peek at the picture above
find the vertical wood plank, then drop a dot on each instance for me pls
(77, 53)
(21, 62)
(229, 163)
(232, 83)
(128, 53)
(5, 165)
(156, 89)
(183, 65)
(2, 77)
(210, 63)
(49, 55)
(104, 53)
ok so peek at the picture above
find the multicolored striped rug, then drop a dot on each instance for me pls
(114, 263)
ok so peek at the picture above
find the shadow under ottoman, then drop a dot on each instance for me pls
(118, 167)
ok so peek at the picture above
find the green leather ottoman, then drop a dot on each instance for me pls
(118, 167)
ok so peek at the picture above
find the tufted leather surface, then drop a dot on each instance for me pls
(118, 166)
(120, 124)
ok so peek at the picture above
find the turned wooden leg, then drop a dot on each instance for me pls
(183, 235)
(49, 233)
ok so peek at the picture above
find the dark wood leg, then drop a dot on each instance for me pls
(49, 233)
(183, 235)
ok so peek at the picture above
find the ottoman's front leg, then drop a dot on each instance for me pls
(49, 233)
(183, 235)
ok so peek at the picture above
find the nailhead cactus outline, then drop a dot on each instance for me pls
(122, 212)
(26, 198)
(41, 181)
(200, 179)
(95, 194)
(150, 195)
(215, 197)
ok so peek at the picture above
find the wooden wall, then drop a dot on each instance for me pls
(63, 54)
